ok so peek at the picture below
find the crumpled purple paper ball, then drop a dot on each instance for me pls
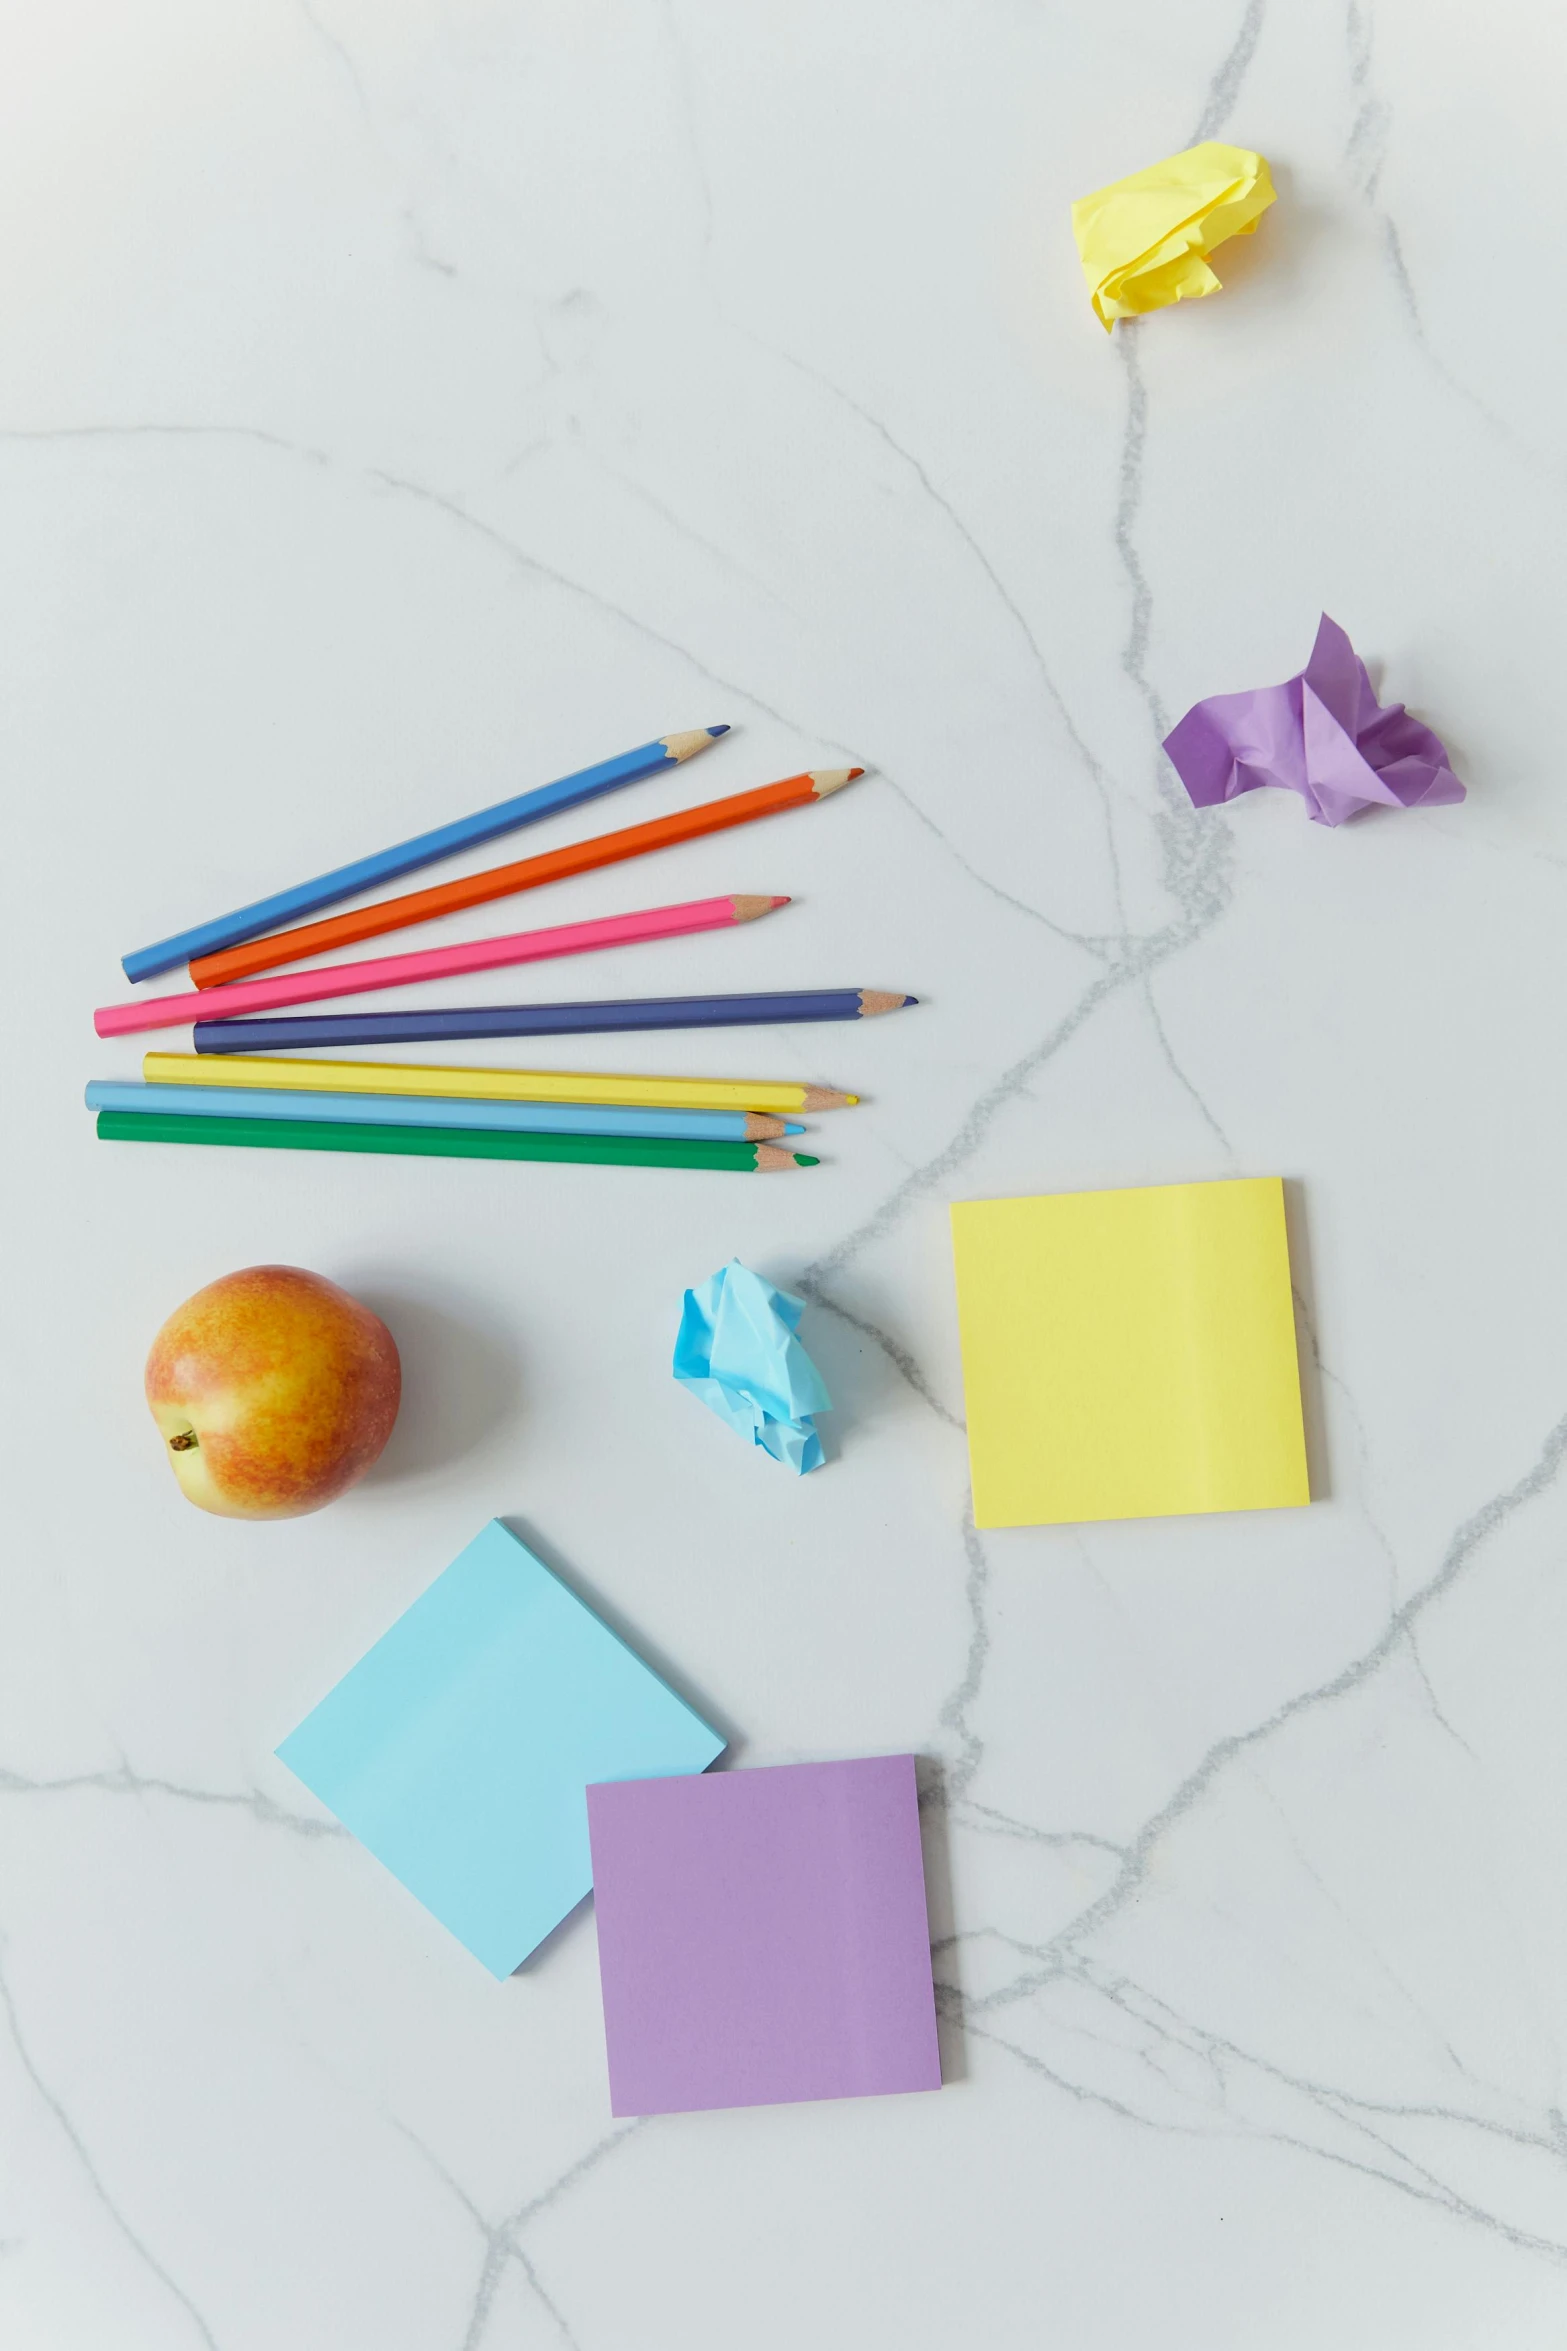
(1322, 734)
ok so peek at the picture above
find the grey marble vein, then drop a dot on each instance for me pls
(1544, 2137)
(902, 1358)
(1467, 1540)
(1167, 1051)
(722, 558)
(535, 567)
(691, 115)
(1365, 159)
(1365, 149)
(1225, 2059)
(987, 1821)
(954, 1716)
(1424, 2188)
(1093, 943)
(959, 1148)
(525, 2214)
(441, 501)
(90, 2172)
(1096, 772)
(503, 2245)
(1129, 498)
(126, 1781)
(522, 2218)
(1325, 1372)
(339, 52)
(172, 431)
(1140, 956)
(1225, 87)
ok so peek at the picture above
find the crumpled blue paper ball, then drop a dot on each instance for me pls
(738, 1352)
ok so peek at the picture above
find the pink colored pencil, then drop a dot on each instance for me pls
(430, 963)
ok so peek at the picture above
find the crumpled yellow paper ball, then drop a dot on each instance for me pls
(1142, 239)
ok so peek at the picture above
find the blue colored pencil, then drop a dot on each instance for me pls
(541, 1020)
(367, 873)
(412, 1110)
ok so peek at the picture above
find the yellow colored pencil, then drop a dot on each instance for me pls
(490, 1085)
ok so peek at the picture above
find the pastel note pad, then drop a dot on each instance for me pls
(762, 1936)
(458, 1749)
(1129, 1354)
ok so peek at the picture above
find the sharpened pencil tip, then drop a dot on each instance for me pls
(686, 746)
(874, 1000)
(752, 909)
(806, 1159)
(825, 780)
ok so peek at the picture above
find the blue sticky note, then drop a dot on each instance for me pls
(459, 1748)
(736, 1349)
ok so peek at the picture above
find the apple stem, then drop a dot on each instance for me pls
(184, 1442)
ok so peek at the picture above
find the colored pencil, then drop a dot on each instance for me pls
(503, 881)
(368, 873)
(434, 963)
(500, 1085)
(277, 1134)
(521, 1118)
(541, 1020)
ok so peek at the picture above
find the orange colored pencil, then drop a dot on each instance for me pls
(501, 881)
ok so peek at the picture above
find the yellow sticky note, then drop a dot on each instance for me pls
(1142, 239)
(1129, 1354)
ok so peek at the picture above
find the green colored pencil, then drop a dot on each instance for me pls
(268, 1134)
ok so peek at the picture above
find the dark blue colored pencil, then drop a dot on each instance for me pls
(367, 873)
(541, 1020)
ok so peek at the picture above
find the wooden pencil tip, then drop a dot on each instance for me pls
(825, 780)
(751, 909)
(874, 1000)
(825, 1098)
(761, 1128)
(770, 1159)
(695, 739)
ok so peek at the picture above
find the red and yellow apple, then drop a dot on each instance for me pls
(274, 1390)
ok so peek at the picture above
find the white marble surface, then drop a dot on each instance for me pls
(405, 402)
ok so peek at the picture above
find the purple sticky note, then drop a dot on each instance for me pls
(762, 1936)
(1322, 734)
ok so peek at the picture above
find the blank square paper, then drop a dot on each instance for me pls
(762, 1936)
(460, 1747)
(1129, 1354)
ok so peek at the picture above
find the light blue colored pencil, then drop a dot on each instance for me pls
(367, 873)
(418, 1110)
